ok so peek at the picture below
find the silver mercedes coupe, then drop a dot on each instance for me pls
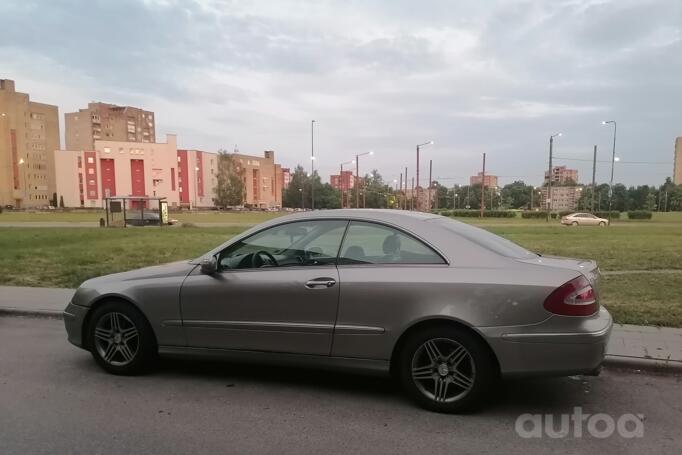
(444, 307)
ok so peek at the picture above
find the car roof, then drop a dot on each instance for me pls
(388, 215)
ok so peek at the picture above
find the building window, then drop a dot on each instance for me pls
(80, 162)
(91, 170)
(107, 149)
(91, 160)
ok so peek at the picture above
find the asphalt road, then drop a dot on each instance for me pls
(54, 399)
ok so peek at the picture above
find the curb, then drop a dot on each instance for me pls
(50, 314)
(643, 364)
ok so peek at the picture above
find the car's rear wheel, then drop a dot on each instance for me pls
(121, 340)
(446, 369)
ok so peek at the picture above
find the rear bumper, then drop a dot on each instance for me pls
(74, 318)
(560, 345)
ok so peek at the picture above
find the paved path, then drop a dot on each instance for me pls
(630, 345)
(55, 400)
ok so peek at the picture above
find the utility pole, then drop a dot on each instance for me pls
(430, 182)
(405, 193)
(412, 196)
(401, 188)
(594, 174)
(312, 165)
(357, 181)
(483, 188)
(549, 175)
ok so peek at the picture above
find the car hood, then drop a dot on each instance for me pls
(172, 269)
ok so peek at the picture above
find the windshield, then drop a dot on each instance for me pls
(486, 239)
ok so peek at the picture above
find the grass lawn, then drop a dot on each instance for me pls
(64, 257)
(645, 299)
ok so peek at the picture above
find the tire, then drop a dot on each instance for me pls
(440, 385)
(121, 340)
(602, 224)
(575, 223)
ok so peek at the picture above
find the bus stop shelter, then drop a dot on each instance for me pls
(136, 210)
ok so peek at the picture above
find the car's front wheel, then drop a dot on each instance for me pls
(446, 369)
(121, 340)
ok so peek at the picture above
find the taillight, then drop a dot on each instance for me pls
(575, 298)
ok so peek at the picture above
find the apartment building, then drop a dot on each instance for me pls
(117, 168)
(561, 175)
(343, 181)
(262, 178)
(108, 122)
(29, 134)
(562, 198)
(490, 180)
(186, 178)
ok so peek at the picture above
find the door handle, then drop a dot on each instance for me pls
(320, 282)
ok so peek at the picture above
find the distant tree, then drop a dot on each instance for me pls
(53, 201)
(61, 202)
(229, 189)
(517, 195)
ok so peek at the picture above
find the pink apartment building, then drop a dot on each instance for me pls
(85, 177)
(186, 178)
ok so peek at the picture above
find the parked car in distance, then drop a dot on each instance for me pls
(443, 306)
(583, 219)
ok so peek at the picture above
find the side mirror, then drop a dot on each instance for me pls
(209, 265)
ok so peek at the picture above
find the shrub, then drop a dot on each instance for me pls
(615, 214)
(538, 215)
(477, 213)
(639, 215)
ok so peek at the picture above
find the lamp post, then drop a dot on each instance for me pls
(417, 187)
(549, 175)
(302, 203)
(312, 164)
(341, 180)
(613, 161)
(357, 176)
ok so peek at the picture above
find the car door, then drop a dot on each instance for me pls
(275, 291)
(386, 273)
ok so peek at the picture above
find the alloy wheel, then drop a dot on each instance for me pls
(443, 370)
(117, 339)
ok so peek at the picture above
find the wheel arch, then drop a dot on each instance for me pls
(437, 322)
(111, 298)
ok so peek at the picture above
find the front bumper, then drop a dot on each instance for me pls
(74, 318)
(560, 345)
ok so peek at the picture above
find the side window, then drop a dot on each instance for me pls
(304, 243)
(370, 243)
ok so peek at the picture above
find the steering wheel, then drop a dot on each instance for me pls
(256, 258)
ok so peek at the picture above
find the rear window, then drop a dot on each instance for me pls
(485, 239)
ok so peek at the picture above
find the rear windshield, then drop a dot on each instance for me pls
(485, 239)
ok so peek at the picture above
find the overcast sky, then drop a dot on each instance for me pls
(474, 76)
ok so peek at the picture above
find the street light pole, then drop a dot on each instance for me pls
(312, 164)
(341, 185)
(302, 202)
(417, 187)
(594, 175)
(549, 175)
(613, 160)
(357, 176)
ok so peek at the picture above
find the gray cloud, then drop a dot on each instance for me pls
(495, 77)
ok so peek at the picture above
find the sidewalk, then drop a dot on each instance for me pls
(630, 346)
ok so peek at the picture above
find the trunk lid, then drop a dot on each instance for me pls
(587, 267)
